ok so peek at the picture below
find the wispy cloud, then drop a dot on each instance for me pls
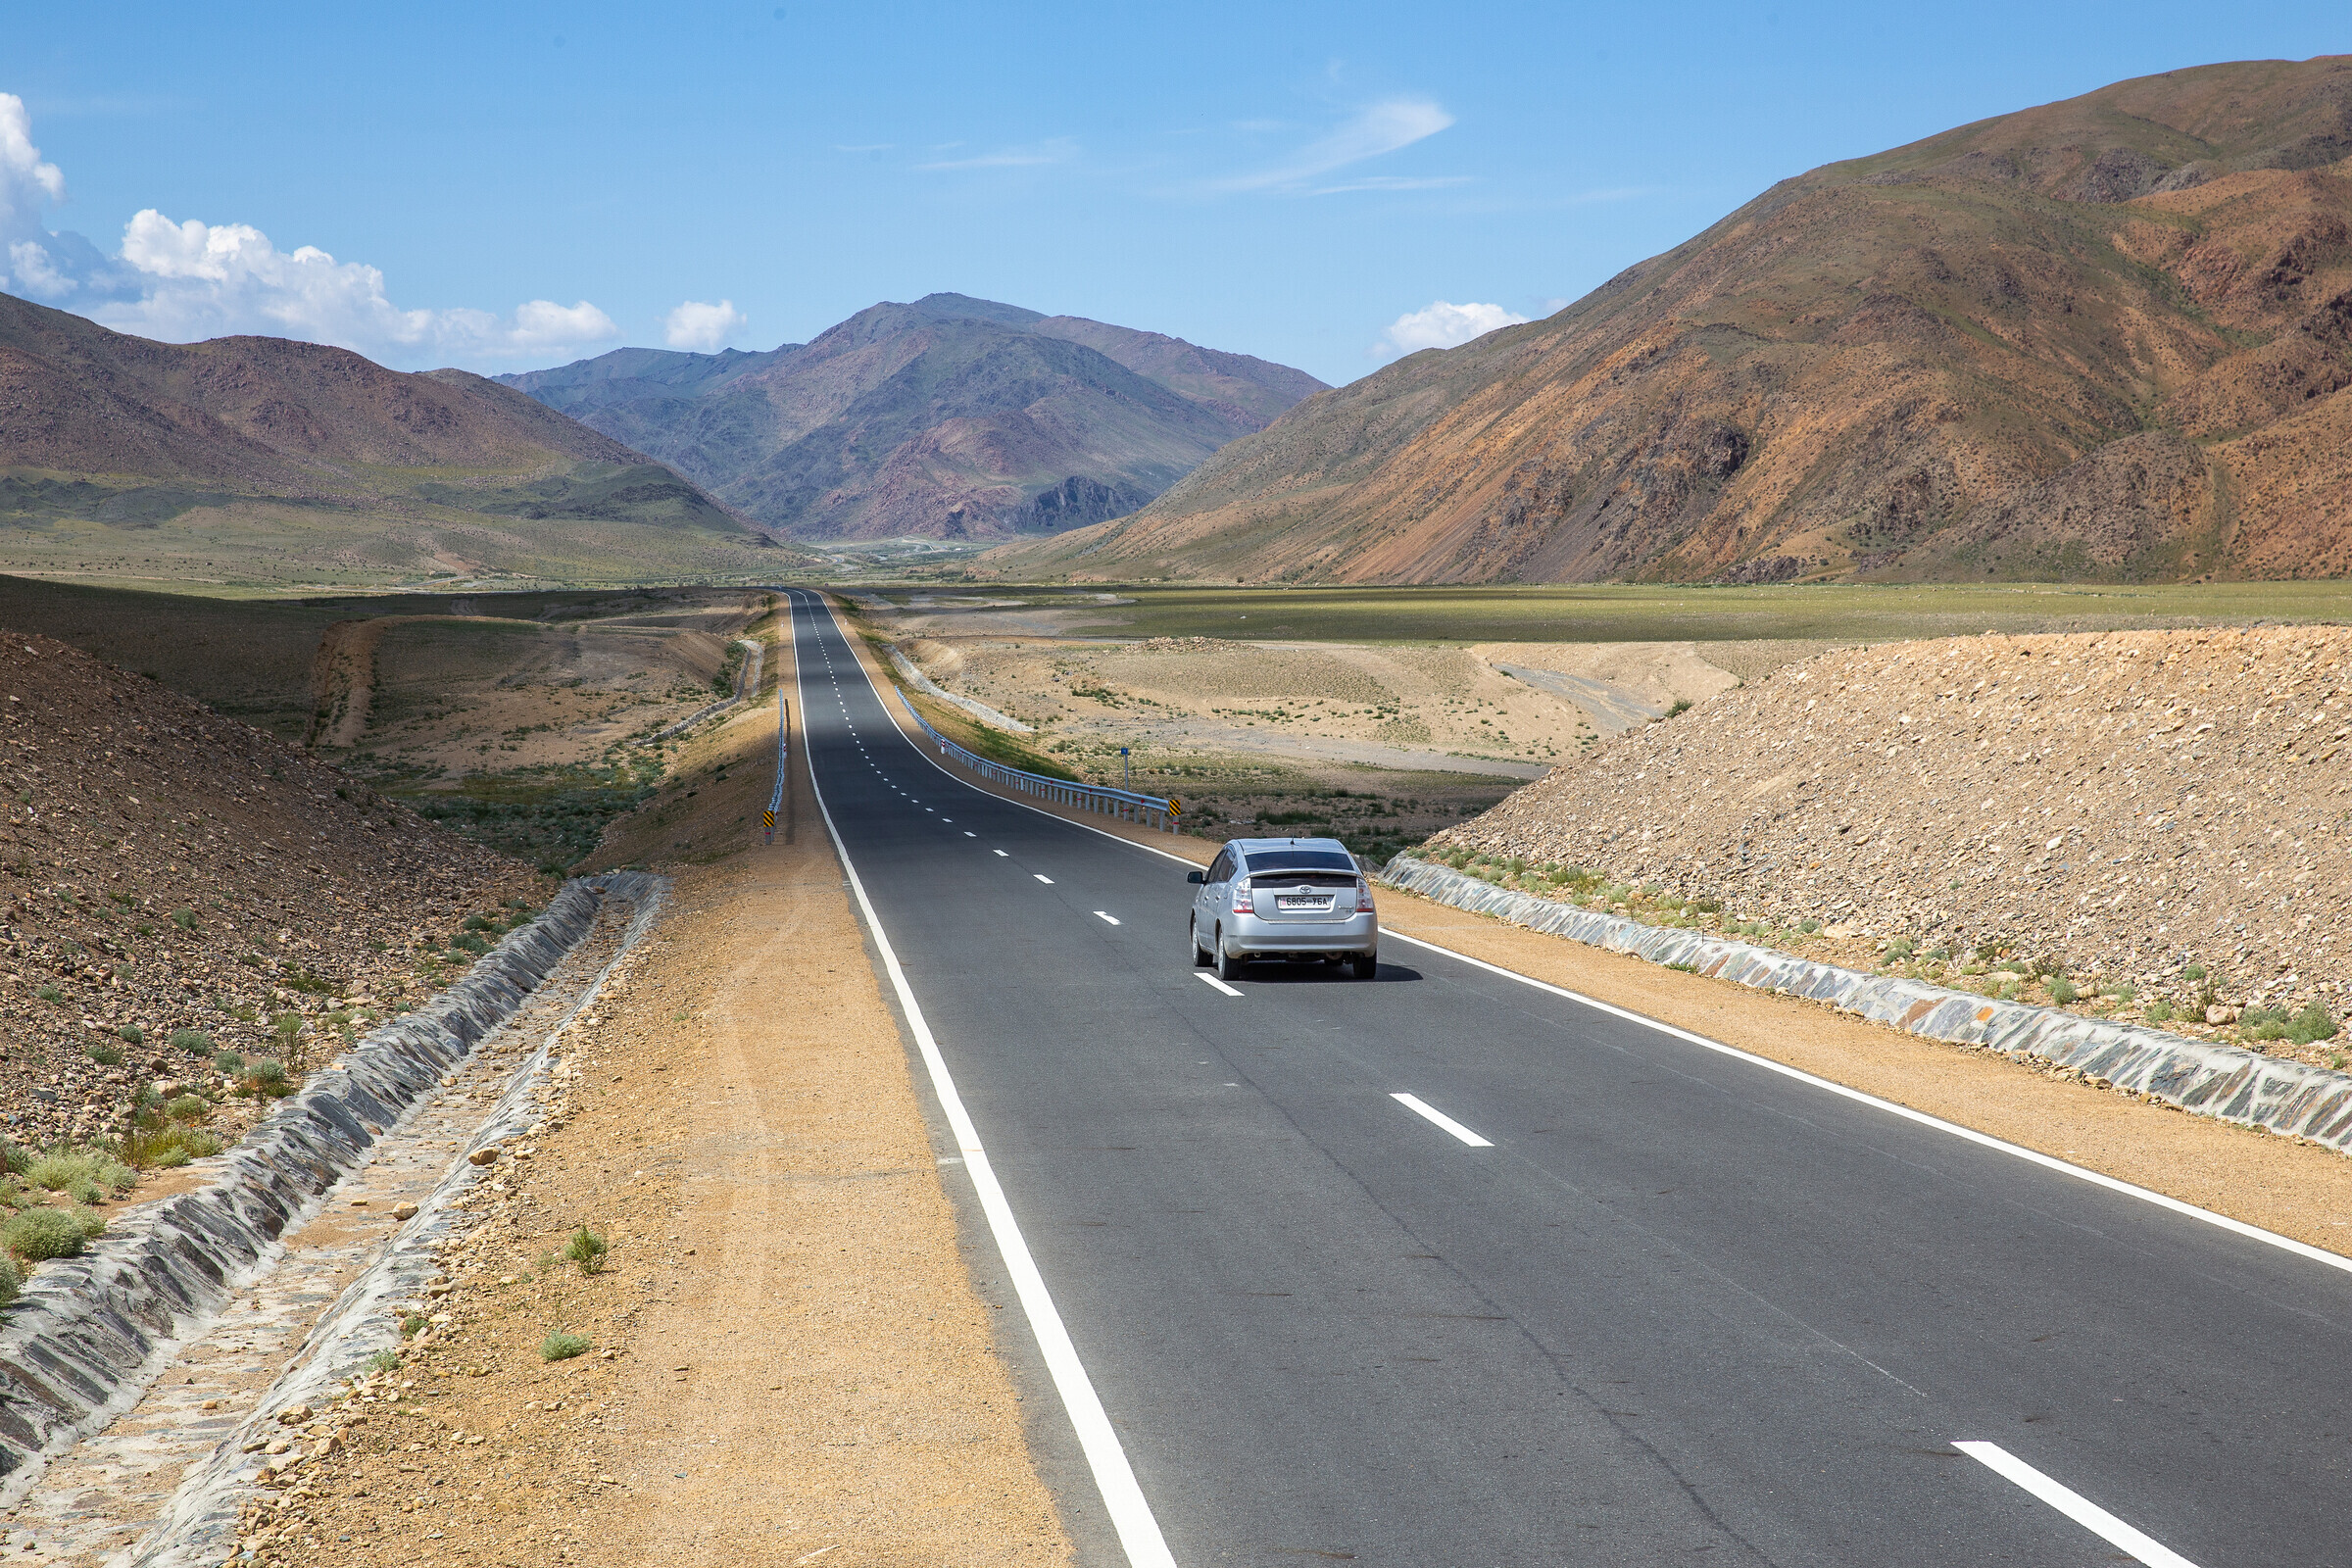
(1382, 128)
(1393, 182)
(1054, 150)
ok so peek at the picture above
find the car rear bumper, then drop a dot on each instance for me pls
(1249, 932)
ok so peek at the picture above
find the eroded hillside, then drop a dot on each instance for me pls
(175, 886)
(2159, 820)
(2106, 338)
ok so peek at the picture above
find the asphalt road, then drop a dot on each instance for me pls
(1683, 1309)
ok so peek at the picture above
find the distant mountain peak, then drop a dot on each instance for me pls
(949, 416)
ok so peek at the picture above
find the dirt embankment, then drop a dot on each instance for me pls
(166, 869)
(2156, 821)
(788, 1361)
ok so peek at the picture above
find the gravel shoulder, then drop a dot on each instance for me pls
(789, 1362)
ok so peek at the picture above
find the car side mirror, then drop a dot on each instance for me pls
(1195, 876)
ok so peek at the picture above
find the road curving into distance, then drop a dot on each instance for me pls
(1457, 1270)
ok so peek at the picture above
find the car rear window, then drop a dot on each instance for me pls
(1300, 861)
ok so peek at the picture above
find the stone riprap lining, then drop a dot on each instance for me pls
(89, 1331)
(200, 1523)
(2223, 1081)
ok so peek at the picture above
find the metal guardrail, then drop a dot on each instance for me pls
(775, 802)
(1126, 806)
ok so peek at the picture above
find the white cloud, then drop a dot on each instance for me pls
(1382, 128)
(27, 184)
(703, 328)
(1395, 183)
(181, 282)
(1441, 326)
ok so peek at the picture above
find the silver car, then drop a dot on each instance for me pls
(1298, 898)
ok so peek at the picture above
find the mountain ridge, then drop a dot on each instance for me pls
(2105, 337)
(949, 416)
(289, 457)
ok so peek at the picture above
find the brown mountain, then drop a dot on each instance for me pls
(2105, 338)
(258, 458)
(949, 417)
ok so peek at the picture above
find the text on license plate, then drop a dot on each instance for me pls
(1292, 901)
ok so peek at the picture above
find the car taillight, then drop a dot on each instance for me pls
(1363, 896)
(1243, 904)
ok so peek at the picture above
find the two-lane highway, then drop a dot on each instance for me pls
(1450, 1269)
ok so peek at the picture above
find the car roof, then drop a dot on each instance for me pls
(1254, 845)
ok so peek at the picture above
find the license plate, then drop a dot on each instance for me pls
(1296, 902)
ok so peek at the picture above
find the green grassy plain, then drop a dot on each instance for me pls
(1609, 613)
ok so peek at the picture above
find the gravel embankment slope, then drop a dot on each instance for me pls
(165, 868)
(2158, 815)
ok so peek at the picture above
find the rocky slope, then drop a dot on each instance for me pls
(247, 449)
(2159, 819)
(166, 869)
(2107, 338)
(949, 417)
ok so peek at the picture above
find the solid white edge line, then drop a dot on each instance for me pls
(1130, 1512)
(1421, 1108)
(2112, 1184)
(1041, 877)
(1101, 915)
(2071, 1504)
(2050, 1162)
(1212, 981)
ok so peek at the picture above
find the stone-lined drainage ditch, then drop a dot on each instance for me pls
(276, 1281)
(2226, 1082)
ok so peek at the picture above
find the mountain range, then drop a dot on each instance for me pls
(265, 461)
(950, 417)
(2105, 338)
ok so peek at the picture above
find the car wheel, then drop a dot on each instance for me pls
(1229, 967)
(1192, 933)
(1366, 965)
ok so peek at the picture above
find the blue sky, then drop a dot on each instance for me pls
(1285, 181)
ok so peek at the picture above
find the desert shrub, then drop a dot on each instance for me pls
(11, 1282)
(2195, 971)
(132, 1035)
(2160, 1011)
(40, 1234)
(1901, 948)
(412, 1325)
(2063, 991)
(185, 919)
(474, 922)
(168, 1147)
(49, 993)
(1706, 905)
(16, 1157)
(2313, 1023)
(195, 1042)
(188, 1108)
(563, 1347)
(2124, 993)
(1682, 706)
(104, 1054)
(287, 1026)
(1808, 926)
(469, 943)
(587, 1250)
(384, 1361)
(227, 1063)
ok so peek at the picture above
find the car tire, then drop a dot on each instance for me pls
(1191, 931)
(1366, 965)
(1229, 967)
